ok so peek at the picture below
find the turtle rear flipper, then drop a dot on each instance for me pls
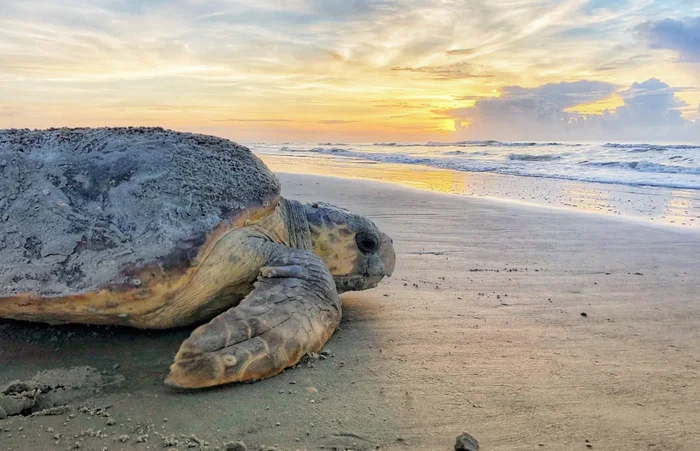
(292, 311)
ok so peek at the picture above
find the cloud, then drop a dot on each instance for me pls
(623, 63)
(474, 97)
(596, 5)
(323, 122)
(402, 105)
(649, 111)
(447, 72)
(562, 95)
(334, 121)
(681, 36)
(253, 120)
(545, 104)
(460, 51)
(192, 63)
(650, 103)
(343, 8)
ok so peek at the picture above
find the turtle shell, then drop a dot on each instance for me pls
(85, 209)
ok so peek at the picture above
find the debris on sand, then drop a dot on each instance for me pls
(192, 441)
(170, 441)
(48, 392)
(235, 446)
(346, 440)
(60, 410)
(466, 442)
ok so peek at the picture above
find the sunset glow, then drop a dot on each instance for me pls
(312, 70)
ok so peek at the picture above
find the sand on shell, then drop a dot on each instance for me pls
(81, 208)
(479, 330)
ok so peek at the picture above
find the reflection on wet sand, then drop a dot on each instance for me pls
(681, 208)
(439, 180)
(589, 199)
(671, 207)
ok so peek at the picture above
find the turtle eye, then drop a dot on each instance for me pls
(366, 243)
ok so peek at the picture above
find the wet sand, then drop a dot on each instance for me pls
(481, 329)
(678, 208)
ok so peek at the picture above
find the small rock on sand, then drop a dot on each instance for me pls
(235, 446)
(466, 442)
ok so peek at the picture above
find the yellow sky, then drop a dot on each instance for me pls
(306, 70)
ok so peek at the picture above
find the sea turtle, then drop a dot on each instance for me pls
(154, 229)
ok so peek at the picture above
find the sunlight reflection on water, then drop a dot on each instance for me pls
(661, 205)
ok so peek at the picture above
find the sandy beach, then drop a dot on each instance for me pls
(190, 191)
(528, 327)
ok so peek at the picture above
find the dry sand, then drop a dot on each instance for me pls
(480, 330)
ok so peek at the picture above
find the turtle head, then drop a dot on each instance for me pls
(355, 251)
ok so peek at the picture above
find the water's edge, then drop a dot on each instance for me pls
(674, 166)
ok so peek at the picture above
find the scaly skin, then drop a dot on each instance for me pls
(270, 284)
(292, 311)
(294, 307)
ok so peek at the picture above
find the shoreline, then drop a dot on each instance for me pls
(660, 207)
(519, 204)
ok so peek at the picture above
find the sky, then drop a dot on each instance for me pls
(357, 70)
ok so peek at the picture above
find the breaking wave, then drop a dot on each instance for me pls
(645, 166)
(528, 157)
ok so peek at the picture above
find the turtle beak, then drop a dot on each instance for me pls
(372, 268)
(378, 265)
(387, 254)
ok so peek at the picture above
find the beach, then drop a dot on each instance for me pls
(621, 191)
(527, 326)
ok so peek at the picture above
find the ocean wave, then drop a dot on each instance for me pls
(462, 152)
(461, 144)
(467, 165)
(645, 166)
(612, 180)
(529, 157)
(332, 150)
(609, 163)
(392, 144)
(487, 143)
(651, 147)
(459, 164)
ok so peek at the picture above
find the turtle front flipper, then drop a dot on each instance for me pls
(293, 310)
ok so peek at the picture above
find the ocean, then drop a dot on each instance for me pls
(660, 165)
(656, 183)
